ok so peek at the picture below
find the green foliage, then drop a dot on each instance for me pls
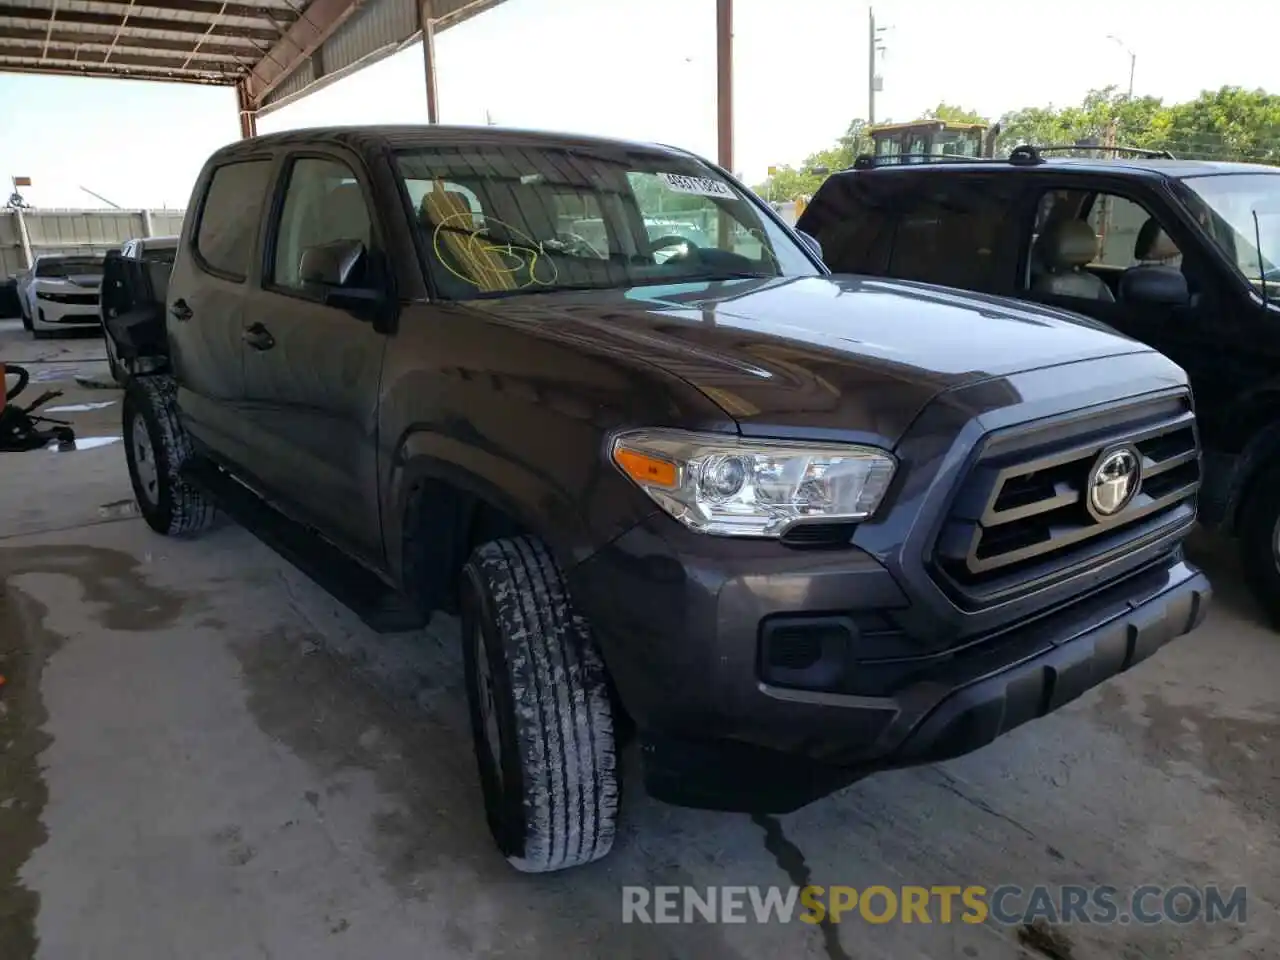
(1227, 124)
(954, 114)
(789, 182)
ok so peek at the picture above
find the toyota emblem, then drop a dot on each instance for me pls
(1114, 481)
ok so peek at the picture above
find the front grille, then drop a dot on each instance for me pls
(80, 299)
(1024, 516)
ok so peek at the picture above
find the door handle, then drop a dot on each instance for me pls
(258, 337)
(180, 310)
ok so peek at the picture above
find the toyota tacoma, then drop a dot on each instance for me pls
(783, 528)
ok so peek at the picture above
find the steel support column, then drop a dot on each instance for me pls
(248, 115)
(724, 81)
(427, 22)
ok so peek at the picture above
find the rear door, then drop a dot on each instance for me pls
(313, 371)
(206, 298)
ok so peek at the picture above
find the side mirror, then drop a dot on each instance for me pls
(1154, 285)
(811, 242)
(339, 269)
(331, 264)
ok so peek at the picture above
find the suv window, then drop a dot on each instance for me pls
(1119, 223)
(323, 203)
(1125, 235)
(229, 216)
(948, 235)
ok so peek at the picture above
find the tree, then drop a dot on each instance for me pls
(1227, 124)
(788, 183)
(953, 114)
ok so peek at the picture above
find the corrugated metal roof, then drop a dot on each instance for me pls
(303, 42)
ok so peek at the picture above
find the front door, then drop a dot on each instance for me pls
(313, 371)
(1124, 230)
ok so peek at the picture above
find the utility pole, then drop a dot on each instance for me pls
(874, 81)
(1133, 59)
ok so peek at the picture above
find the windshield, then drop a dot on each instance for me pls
(505, 220)
(69, 267)
(1225, 206)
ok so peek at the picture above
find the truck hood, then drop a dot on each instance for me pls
(818, 357)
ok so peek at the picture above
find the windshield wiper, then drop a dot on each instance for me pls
(541, 288)
(719, 277)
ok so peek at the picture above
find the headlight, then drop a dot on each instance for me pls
(753, 488)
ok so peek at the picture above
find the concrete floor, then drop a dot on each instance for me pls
(203, 756)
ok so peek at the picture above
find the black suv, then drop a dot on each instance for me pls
(1179, 254)
(679, 482)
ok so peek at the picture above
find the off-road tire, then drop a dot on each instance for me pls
(1258, 519)
(174, 507)
(553, 803)
(118, 373)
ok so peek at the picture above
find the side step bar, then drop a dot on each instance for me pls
(379, 606)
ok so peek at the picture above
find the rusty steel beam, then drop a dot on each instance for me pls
(233, 8)
(55, 68)
(428, 27)
(724, 82)
(89, 18)
(161, 60)
(248, 115)
(316, 24)
(69, 38)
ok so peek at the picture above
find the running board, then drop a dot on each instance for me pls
(380, 607)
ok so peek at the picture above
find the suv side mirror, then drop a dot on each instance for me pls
(1155, 285)
(811, 242)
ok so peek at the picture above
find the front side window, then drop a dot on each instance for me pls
(1128, 235)
(1241, 215)
(323, 206)
(230, 216)
(504, 220)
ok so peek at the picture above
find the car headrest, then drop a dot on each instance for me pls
(345, 214)
(1070, 243)
(1153, 243)
(439, 205)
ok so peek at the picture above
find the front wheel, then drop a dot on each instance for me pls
(1260, 541)
(541, 716)
(157, 448)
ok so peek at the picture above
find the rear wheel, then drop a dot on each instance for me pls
(541, 716)
(157, 448)
(1260, 541)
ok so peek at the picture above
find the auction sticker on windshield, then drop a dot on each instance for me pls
(699, 186)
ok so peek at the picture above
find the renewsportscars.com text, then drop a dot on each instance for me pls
(1005, 904)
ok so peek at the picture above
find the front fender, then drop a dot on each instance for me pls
(575, 508)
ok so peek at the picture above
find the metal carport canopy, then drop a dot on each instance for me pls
(273, 51)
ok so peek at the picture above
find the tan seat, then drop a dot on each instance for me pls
(463, 253)
(1066, 248)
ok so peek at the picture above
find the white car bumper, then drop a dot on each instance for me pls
(60, 309)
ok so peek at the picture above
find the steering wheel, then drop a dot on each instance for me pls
(673, 240)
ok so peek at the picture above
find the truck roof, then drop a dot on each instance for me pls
(363, 137)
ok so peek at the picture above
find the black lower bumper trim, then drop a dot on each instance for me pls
(731, 775)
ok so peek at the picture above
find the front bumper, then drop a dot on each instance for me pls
(683, 647)
(54, 314)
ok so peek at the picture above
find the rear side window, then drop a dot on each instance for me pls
(949, 234)
(230, 214)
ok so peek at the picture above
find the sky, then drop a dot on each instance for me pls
(645, 69)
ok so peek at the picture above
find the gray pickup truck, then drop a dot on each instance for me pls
(784, 528)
